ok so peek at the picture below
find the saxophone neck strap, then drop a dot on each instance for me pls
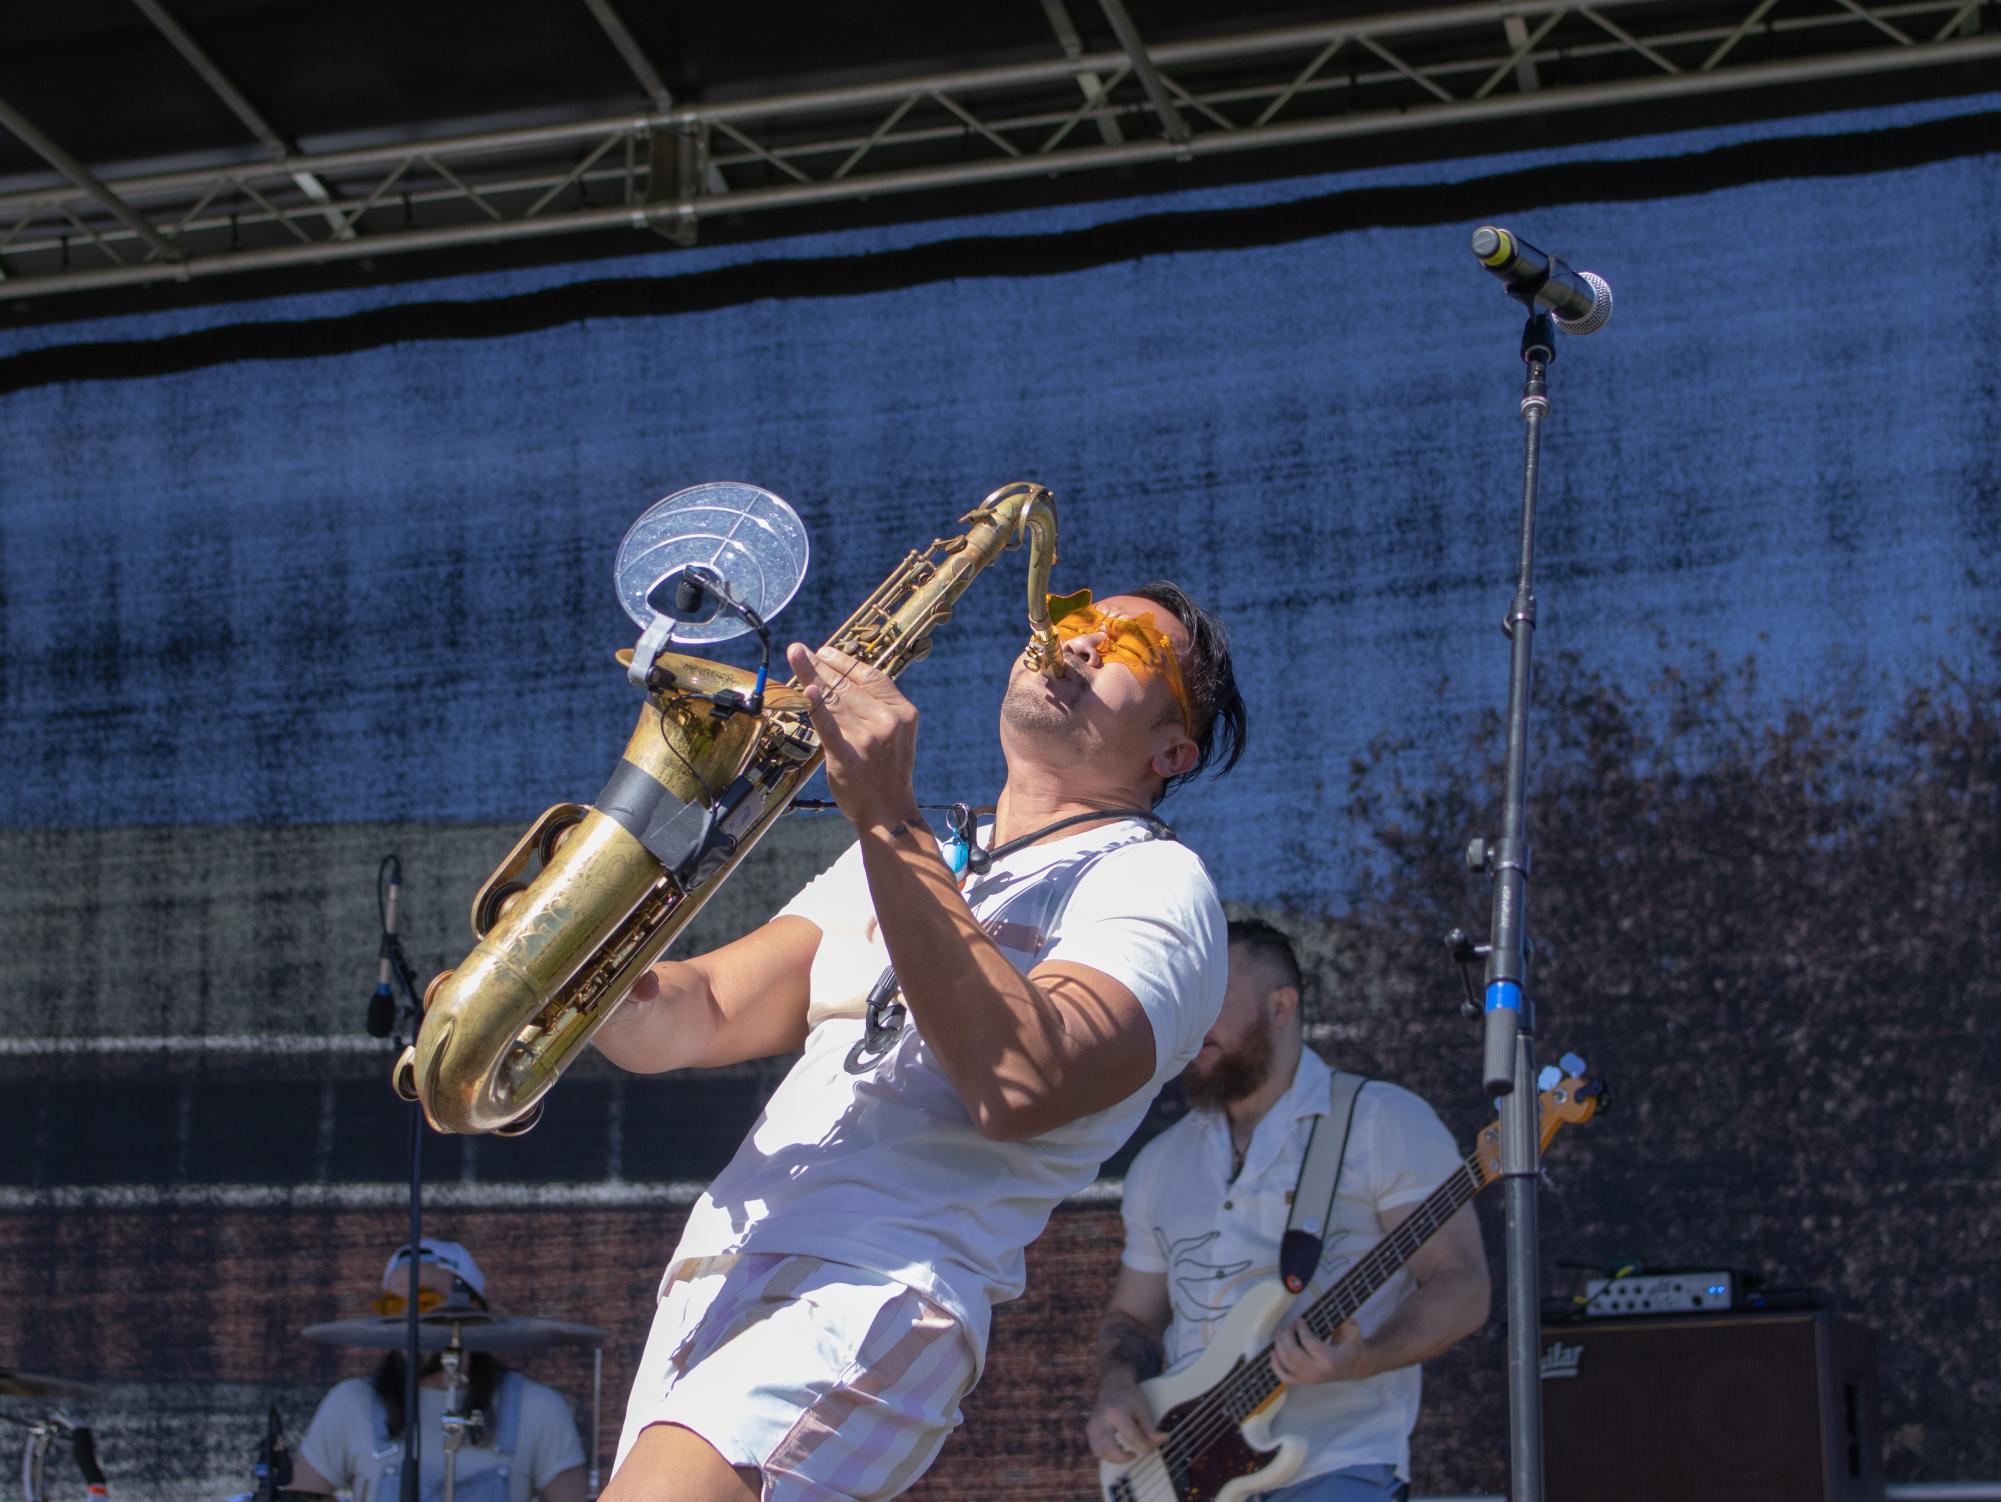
(1319, 1177)
(978, 861)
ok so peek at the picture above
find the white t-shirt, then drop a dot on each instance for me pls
(341, 1442)
(1216, 1239)
(884, 1170)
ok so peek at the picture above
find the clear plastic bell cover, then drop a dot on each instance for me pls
(747, 535)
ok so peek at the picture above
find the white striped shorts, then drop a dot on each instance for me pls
(837, 1383)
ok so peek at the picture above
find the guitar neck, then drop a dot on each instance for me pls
(1382, 1262)
(1254, 1382)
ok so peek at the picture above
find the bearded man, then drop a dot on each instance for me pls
(970, 1055)
(1206, 1206)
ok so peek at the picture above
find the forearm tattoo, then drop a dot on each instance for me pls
(1123, 1343)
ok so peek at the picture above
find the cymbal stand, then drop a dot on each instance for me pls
(457, 1423)
(42, 1433)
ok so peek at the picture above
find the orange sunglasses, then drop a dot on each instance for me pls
(1134, 642)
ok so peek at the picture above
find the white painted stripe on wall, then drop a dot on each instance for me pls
(451, 1195)
(227, 1043)
(1104, 1192)
(454, 1195)
(1319, 1033)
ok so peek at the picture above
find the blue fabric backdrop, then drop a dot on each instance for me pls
(375, 585)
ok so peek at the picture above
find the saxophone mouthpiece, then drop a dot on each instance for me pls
(1045, 654)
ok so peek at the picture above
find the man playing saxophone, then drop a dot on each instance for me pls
(972, 1051)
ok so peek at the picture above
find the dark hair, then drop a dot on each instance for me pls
(482, 1381)
(1213, 698)
(1271, 948)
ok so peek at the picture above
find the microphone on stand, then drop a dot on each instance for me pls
(382, 1005)
(1580, 300)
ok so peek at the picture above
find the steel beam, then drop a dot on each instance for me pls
(219, 83)
(1092, 84)
(1517, 32)
(959, 83)
(829, 145)
(1219, 143)
(1172, 125)
(634, 55)
(76, 172)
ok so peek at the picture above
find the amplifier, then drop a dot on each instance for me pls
(1732, 1408)
(1660, 1293)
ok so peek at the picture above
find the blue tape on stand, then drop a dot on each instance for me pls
(1504, 995)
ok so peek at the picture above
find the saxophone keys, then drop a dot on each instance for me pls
(429, 992)
(556, 833)
(403, 1078)
(493, 905)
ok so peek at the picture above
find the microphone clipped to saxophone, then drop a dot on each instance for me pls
(592, 895)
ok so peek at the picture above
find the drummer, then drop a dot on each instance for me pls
(527, 1448)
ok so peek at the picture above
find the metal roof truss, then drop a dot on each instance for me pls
(668, 168)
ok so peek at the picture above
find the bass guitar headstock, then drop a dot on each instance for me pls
(1568, 1097)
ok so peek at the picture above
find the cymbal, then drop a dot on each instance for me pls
(28, 1385)
(478, 1330)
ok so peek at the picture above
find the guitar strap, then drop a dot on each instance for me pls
(1319, 1177)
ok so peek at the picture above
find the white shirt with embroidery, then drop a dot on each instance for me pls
(884, 1170)
(1215, 1239)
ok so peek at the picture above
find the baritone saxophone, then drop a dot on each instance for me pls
(591, 896)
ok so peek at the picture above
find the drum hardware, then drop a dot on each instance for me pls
(271, 1475)
(42, 1433)
(455, 1333)
(273, 1470)
(455, 1421)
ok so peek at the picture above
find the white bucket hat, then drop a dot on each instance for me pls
(449, 1255)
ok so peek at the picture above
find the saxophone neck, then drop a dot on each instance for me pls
(1029, 514)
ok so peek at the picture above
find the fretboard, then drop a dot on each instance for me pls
(1248, 1387)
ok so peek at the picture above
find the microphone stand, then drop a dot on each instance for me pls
(1508, 1066)
(413, 1012)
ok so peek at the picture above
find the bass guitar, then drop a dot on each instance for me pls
(1218, 1414)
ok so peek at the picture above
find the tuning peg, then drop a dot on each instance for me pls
(1548, 1077)
(1574, 1064)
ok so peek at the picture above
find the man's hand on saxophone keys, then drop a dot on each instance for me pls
(869, 730)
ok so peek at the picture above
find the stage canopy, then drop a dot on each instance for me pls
(219, 147)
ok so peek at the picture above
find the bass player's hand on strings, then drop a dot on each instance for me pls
(1121, 1429)
(870, 731)
(1301, 1358)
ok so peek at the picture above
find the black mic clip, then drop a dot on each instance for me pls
(1465, 954)
(696, 594)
